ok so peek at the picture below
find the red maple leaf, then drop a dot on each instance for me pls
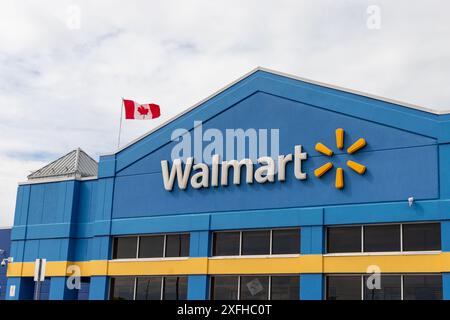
(142, 111)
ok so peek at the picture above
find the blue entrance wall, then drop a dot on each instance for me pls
(388, 178)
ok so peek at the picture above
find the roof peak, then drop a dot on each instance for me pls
(286, 75)
(360, 93)
(75, 164)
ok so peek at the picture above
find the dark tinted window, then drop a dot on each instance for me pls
(177, 245)
(387, 288)
(343, 239)
(254, 288)
(421, 237)
(422, 287)
(175, 288)
(151, 246)
(125, 248)
(255, 242)
(285, 241)
(226, 243)
(148, 288)
(284, 288)
(344, 288)
(224, 288)
(122, 288)
(382, 238)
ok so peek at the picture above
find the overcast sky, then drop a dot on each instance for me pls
(64, 65)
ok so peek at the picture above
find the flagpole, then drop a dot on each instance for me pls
(120, 125)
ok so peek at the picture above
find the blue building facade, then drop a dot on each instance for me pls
(5, 241)
(372, 193)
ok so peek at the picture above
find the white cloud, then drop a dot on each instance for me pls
(60, 88)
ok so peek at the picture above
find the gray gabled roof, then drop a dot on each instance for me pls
(76, 164)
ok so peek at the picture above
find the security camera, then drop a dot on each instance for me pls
(410, 201)
(2, 251)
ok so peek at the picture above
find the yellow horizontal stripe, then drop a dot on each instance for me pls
(301, 264)
(245, 265)
(388, 263)
(185, 266)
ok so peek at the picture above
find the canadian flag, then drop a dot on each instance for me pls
(134, 110)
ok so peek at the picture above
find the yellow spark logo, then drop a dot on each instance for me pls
(359, 168)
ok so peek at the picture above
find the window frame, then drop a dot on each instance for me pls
(363, 253)
(255, 230)
(400, 234)
(110, 287)
(362, 275)
(343, 253)
(135, 281)
(136, 257)
(166, 235)
(226, 231)
(270, 254)
(151, 235)
(210, 282)
(439, 274)
(439, 223)
(113, 247)
(152, 276)
(325, 283)
(299, 232)
(239, 276)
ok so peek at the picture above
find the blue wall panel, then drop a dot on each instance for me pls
(388, 178)
(50, 202)
(87, 203)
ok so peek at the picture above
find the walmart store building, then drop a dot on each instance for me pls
(372, 193)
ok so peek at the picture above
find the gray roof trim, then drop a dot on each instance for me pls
(55, 179)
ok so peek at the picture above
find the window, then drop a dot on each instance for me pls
(344, 288)
(125, 247)
(122, 288)
(389, 288)
(422, 237)
(148, 288)
(285, 288)
(382, 238)
(177, 245)
(175, 288)
(83, 292)
(256, 242)
(285, 241)
(343, 239)
(422, 287)
(226, 243)
(255, 287)
(224, 287)
(151, 246)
